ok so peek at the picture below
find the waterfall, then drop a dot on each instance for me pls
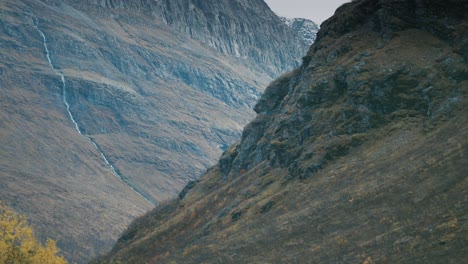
(124, 180)
(62, 77)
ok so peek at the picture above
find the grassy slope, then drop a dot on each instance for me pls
(48, 172)
(400, 197)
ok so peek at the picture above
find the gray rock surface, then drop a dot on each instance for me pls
(305, 28)
(244, 29)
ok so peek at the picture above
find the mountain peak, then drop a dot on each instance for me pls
(306, 28)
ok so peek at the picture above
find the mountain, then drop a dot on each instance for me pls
(109, 107)
(305, 28)
(357, 156)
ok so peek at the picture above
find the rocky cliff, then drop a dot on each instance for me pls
(230, 27)
(305, 28)
(109, 106)
(357, 156)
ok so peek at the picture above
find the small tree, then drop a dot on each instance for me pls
(19, 245)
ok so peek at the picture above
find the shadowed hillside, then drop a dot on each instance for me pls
(357, 156)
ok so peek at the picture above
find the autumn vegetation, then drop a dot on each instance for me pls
(19, 245)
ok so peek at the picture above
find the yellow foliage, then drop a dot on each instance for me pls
(19, 245)
(368, 260)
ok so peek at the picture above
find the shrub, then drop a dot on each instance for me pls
(19, 245)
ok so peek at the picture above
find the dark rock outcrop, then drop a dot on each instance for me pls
(344, 89)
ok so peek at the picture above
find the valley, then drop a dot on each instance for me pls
(111, 107)
(208, 131)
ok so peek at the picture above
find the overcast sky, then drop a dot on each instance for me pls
(315, 10)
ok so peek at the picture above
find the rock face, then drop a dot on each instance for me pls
(230, 27)
(158, 90)
(357, 156)
(305, 28)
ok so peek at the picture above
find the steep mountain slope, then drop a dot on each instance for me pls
(357, 156)
(305, 28)
(109, 106)
(246, 29)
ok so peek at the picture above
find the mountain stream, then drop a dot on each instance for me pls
(123, 179)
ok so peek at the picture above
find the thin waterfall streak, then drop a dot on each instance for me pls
(114, 171)
(72, 118)
(64, 95)
(62, 77)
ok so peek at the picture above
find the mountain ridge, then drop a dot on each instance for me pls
(205, 21)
